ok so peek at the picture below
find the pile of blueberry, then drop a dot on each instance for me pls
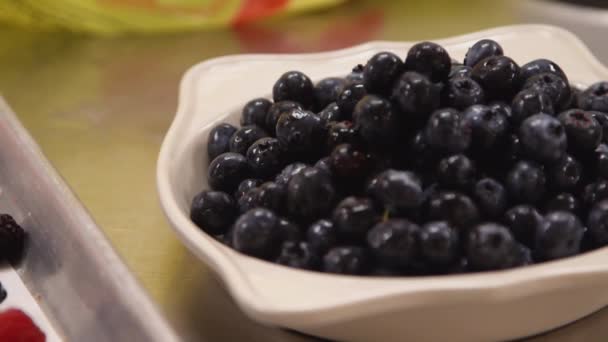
(415, 167)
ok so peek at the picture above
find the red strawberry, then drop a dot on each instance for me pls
(16, 326)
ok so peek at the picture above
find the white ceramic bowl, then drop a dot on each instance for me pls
(472, 307)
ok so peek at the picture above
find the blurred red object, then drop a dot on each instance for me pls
(16, 326)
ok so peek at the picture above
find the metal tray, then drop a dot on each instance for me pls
(79, 281)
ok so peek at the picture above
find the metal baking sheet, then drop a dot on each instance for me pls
(80, 283)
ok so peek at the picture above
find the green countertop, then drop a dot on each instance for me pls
(99, 108)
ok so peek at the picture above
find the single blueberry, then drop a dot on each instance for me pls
(375, 121)
(257, 233)
(552, 85)
(266, 157)
(497, 75)
(526, 182)
(446, 132)
(559, 236)
(439, 243)
(453, 207)
(300, 131)
(583, 131)
(543, 138)
(524, 222)
(294, 86)
(310, 194)
(322, 235)
(415, 95)
(381, 71)
(227, 171)
(219, 140)
(255, 112)
(396, 190)
(489, 247)
(529, 102)
(429, 59)
(244, 137)
(348, 99)
(347, 260)
(327, 90)
(595, 97)
(597, 222)
(566, 173)
(275, 112)
(213, 211)
(456, 172)
(481, 50)
(298, 255)
(394, 242)
(354, 217)
(491, 196)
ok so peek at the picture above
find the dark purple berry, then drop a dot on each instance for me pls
(526, 182)
(322, 235)
(456, 172)
(456, 208)
(12, 239)
(227, 171)
(602, 119)
(595, 97)
(489, 247)
(275, 112)
(481, 50)
(559, 236)
(283, 178)
(555, 87)
(245, 186)
(298, 255)
(566, 173)
(415, 95)
(219, 140)
(446, 132)
(429, 59)
(300, 131)
(583, 131)
(598, 223)
(491, 197)
(266, 157)
(439, 243)
(381, 71)
(396, 190)
(524, 222)
(213, 211)
(310, 194)
(255, 112)
(257, 233)
(488, 127)
(375, 121)
(340, 132)
(289, 230)
(529, 102)
(461, 92)
(347, 260)
(330, 113)
(327, 90)
(294, 86)
(349, 164)
(497, 75)
(348, 99)
(244, 137)
(353, 217)
(543, 138)
(595, 192)
(394, 242)
(459, 70)
(540, 66)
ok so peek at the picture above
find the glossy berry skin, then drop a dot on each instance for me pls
(375, 121)
(294, 86)
(349, 165)
(595, 192)
(595, 97)
(275, 112)
(394, 242)
(491, 197)
(481, 50)
(461, 92)
(248, 200)
(524, 222)
(310, 194)
(526, 182)
(453, 207)
(213, 211)
(543, 138)
(255, 111)
(300, 131)
(540, 66)
(245, 186)
(348, 99)
(346, 260)
(340, 132)
(439, 243)
(429, 59)
(271, 196)
(356, 74)
(257, 233)
(601, 161)
(219, 140)
(597, 223)
(265, 157)
(327, 90)
(489, 247)
(459, 70)
(488, 127)
(330, 113)
(563, 202)
(353, 217)
(456, 172)
(529, 102)
(227, 171)
(445, 131)
(566, 174)
(415, 95)
(583, 131)
(324, 164)
(244, 137)
(298, 255)
(322, 235)
(283, 178)
(396, 190)
(555, 87)
(559, 236)
(602, 119)
(497, 75)
(12, 240)
(381, 71)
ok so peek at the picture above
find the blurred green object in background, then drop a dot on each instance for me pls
(146, 16)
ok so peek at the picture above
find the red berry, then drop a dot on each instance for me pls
(16, 326)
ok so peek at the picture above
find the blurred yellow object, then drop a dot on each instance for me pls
(121, 16)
